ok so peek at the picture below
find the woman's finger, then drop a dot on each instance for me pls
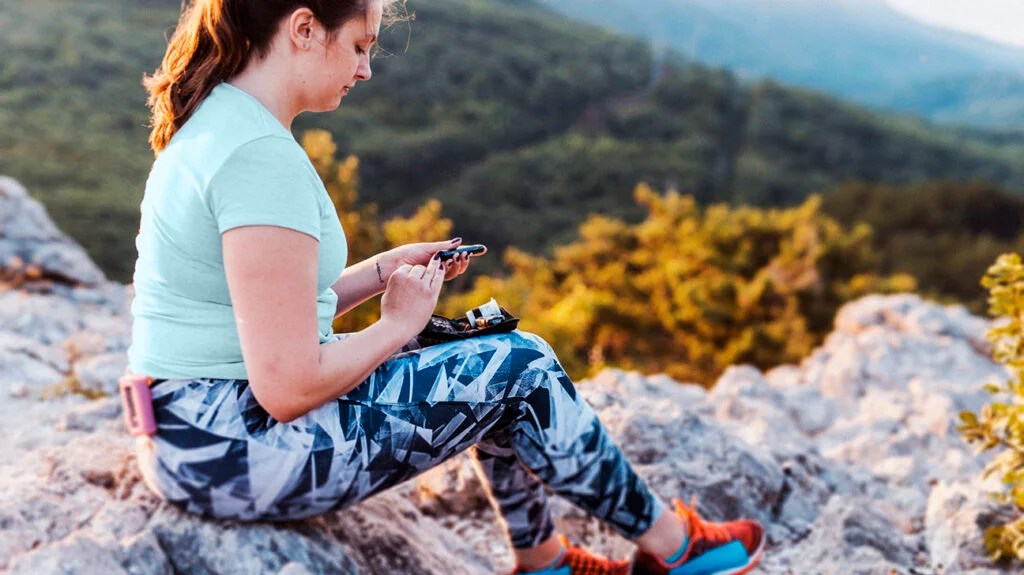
(460, 265)
(432, 268)
(437, 280)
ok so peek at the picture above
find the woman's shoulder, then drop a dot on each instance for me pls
(230, 128)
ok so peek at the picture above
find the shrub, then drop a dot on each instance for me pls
(1000, 425)
(689, 291)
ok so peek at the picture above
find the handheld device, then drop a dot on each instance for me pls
(470, 249)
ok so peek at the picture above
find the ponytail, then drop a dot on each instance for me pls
(214, 41)
(207, 48)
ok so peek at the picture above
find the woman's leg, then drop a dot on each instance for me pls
(510, 397)
(219, 453)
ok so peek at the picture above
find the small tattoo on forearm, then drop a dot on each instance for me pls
(380, 274)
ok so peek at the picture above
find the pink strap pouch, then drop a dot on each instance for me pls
(137, 401)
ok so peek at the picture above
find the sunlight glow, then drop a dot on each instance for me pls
(997, 20)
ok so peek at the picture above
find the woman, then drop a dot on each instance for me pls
(263, 413)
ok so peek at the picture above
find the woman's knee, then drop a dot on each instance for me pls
(532, 361)
(531, 341)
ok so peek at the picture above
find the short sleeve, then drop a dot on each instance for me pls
(266, 182)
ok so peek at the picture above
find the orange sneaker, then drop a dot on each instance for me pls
(729, 548)
(577, 561)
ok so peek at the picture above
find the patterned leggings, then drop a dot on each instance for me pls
(218, 453)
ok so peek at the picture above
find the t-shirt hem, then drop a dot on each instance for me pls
(207, 372)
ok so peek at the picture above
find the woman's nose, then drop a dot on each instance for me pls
(363, 72)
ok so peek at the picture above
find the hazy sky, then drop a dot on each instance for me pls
(1000, 20)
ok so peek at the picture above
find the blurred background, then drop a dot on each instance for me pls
(665, 185)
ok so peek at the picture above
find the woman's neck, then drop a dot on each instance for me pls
(268, 82)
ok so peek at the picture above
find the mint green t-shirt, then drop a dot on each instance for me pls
(232, 164)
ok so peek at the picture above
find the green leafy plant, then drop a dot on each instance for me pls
(1000, 424)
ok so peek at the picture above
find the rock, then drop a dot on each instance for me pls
(956, 514)
(79, 553)
(849, 537)
(193, 546)
(90, 416)
(388, 534)
(450, 488)
(851, 459)
(27, 364)
(100, 373)
(32, 249)
(141, 554)
(46, 318)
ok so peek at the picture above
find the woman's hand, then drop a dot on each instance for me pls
(419, 255)
(411, 296)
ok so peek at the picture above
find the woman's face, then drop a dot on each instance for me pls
(342, 59)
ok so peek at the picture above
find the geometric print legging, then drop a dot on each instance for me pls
(219, 454)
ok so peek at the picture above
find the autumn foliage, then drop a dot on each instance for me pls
(689, 291)
(365, 234)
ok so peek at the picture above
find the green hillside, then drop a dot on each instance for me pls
(519, 121)
(864, 51)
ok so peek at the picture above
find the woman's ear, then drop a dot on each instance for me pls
(301, 26)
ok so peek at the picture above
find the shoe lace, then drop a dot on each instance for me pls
(702, 531)
(581, 562)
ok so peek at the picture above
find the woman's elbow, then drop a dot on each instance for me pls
(285, 416)
(282, 399)
(282, 412)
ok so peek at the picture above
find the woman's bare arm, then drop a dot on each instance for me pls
(271, 274)
(362, 281)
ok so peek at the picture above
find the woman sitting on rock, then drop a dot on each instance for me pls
(265, 414)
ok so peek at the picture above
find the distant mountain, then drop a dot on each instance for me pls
(861, 50)
(519, 120)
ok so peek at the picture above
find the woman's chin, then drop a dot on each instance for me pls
(328, 106)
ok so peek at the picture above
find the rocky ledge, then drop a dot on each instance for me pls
(851, 459)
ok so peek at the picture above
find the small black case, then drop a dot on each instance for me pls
(441, 329)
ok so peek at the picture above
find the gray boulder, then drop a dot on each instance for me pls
(32, 249)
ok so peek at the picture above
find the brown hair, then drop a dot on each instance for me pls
(213, 42)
